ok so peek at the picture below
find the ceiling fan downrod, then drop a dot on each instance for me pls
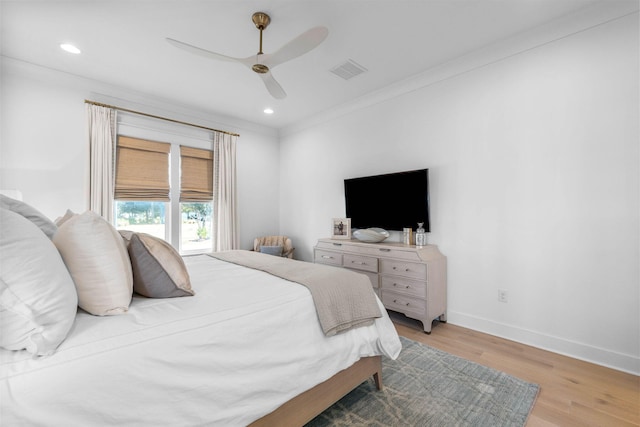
(261, 21)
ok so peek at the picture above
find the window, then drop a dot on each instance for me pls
(196, 194)
(166, 190)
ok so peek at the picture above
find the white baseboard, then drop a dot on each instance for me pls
(601, 356)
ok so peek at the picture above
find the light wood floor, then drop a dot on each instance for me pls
(572, 392)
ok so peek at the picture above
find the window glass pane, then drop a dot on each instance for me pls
(195, 226)
(141, 217)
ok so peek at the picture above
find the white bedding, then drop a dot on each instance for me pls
(243, 345)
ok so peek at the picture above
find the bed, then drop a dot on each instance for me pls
(246, 348)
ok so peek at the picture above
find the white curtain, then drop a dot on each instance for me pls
(102, 148)
(225, 215)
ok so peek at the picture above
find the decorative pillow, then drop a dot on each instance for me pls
(98, 262)
(64, 218)
(126, 235)
(158, 269)
(38, 300)
(29, 212)
(271, 250)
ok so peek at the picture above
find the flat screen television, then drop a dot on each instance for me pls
(391, 201)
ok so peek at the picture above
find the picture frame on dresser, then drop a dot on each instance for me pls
(341, 228)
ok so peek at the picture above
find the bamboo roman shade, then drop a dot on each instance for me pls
(196, 175)
(142, 170)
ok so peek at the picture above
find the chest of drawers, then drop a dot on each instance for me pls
(408, 279)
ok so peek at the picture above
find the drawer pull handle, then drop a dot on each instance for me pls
(407, 287)
(358, 262)
(337, 244)
(327, 257)
(384, 250)
(406, 269)
(396, 302)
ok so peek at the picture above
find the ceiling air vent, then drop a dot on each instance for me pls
(348, 69)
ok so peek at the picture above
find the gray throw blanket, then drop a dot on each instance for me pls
(344, 299)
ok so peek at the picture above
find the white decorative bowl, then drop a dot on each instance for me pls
(371, 235)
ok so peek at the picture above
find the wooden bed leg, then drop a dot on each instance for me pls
(377, 377)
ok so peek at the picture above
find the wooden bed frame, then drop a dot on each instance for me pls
(306, 406)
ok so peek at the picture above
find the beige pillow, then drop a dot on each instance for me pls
(98, 262)
(158, 269)
(38, 301)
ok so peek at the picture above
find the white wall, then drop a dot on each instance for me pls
(533, 164)
(44, 146)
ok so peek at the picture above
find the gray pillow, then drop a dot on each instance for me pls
(271, 250)
(158, 269)
(29, 212)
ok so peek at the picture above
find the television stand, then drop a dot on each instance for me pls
(407, 279)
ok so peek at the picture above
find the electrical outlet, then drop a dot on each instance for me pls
(502, 295)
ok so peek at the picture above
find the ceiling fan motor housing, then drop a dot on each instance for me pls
(260, 68)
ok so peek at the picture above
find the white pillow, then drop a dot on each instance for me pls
(29, 212)
(98, 261)
(38, 300)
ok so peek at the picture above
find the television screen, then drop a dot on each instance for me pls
(391, 201)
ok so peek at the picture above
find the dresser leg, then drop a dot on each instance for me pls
(443, 317)
(427, 326)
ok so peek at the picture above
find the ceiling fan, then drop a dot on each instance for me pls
(262, 63)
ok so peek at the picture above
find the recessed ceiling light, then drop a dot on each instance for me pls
(69, 48)
(268, 111)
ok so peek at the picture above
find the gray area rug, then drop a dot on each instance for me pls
(429, 387)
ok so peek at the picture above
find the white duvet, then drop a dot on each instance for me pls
(243, 345)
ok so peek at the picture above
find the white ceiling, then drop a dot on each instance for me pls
(123, 44)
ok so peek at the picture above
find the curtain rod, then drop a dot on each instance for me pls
(157, 117)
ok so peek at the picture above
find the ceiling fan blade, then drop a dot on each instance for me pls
(298, 46)
(201, 52)
(273, 86)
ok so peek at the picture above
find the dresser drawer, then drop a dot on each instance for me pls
(407, 269)
(403, 303)
(360, 262)
(326, 257)
(373, 277)
(404, 286)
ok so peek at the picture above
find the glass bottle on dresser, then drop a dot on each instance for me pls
(421, 235)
